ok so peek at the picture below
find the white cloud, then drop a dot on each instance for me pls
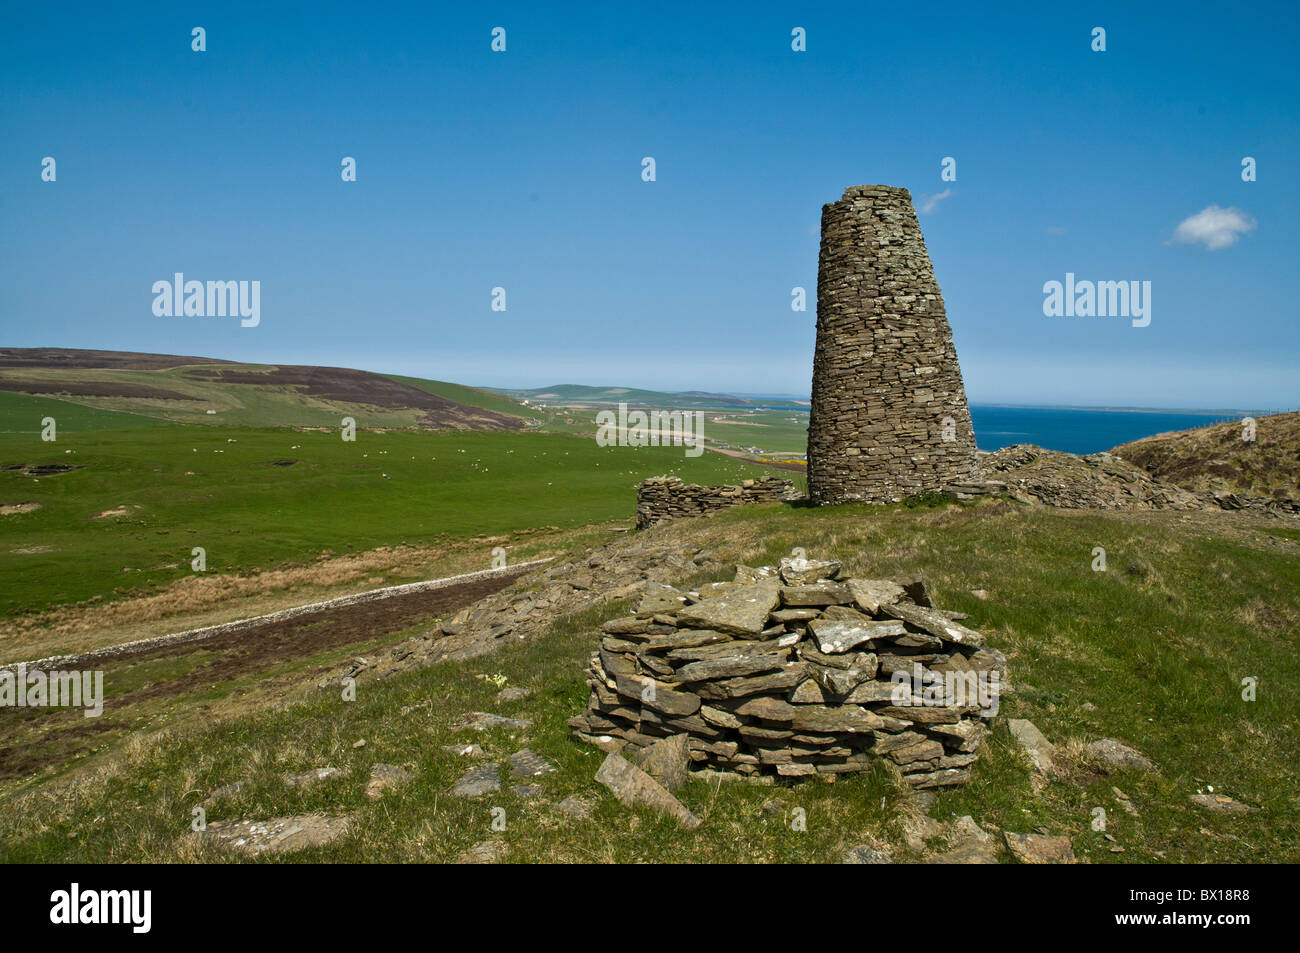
(1213, 227)
(930, 204)
(1056, 229)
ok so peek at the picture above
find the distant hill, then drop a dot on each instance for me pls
(1217, 459)
(576, 395)
(69, 357)
(202, 390)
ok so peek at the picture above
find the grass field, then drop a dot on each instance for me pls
(127, 519)
(772, 431)
(23, 413)
(1152, 652)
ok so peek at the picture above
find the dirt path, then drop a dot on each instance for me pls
(405, 593)
(33, 738)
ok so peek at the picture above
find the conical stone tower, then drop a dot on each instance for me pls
(889, 416)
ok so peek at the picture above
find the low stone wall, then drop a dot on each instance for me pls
(666, 498)
(795, 672)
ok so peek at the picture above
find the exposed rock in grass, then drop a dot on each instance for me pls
(277, 835)
(919, 828)
(492, 851)
(528, 764)
(864, 854)
(574, 807)
(385, 778)
(480, 780)
(1124, 801)
(633, 787)
(486, 721)
(1221, 804)
(968, 843)
(1039, 749)
(1118, 755)
(309, 778)
(512, 694)
(1040, 848)
(967, 852)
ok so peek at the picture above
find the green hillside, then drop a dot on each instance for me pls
(470, 396)
(259, 498)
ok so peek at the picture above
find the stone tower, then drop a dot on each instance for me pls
(889, 415)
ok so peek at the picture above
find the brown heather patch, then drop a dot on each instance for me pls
(1266, 618)
(1216, 459)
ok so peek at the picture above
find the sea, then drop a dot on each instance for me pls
(1079, 430)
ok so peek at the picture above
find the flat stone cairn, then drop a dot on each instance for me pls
(889, 417)
(791, 671)
(667, 498)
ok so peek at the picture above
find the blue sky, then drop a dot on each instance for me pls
(522, 170)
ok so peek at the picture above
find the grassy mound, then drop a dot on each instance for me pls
(1152, 651)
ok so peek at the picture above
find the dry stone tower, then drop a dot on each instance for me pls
(889, 416)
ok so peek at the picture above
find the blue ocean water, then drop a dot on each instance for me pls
(1076, 431)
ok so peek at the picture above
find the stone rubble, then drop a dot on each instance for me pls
(1030, 474)
(275, 835)
(617, 570)
(780, 676)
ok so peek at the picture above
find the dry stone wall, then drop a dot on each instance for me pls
(796, 672)
(666, 498)
(889, 417)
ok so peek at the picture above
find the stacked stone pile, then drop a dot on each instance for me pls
(667, 498)
(791, 672)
